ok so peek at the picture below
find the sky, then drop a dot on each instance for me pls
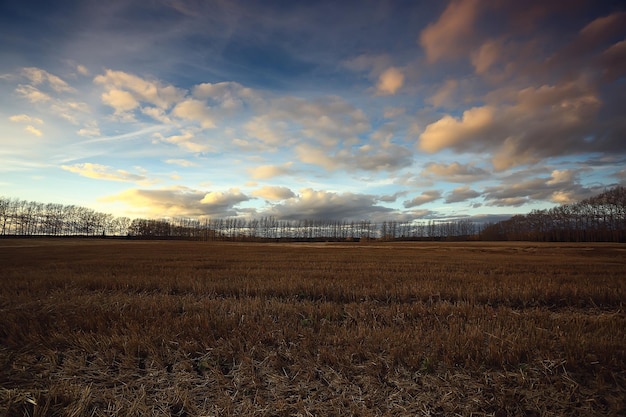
(343, 110)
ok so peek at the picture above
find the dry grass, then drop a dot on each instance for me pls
(109, 328)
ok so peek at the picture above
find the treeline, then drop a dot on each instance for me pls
(600, 218)
(30, 218)
(270, 228)
(597, 219)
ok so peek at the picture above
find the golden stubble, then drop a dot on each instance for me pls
(98, 327)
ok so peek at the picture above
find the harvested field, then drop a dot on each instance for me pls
(116, 327)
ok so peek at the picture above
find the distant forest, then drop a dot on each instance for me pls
(597, 219)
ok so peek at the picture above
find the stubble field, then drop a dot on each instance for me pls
(114, 328)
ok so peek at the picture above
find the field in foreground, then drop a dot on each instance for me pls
(111, 328)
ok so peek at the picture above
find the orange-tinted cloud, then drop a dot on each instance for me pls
(450, 131)
(486, 55)
(454, 172)
(148, 91)
(390, 81)
(516, 132)
(613, 61)
(121, 101)
(444, 97)
(273, 193)
(449, 36)
(181, 201)
(270, 171)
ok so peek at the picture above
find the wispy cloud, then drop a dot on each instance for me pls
(39, 76)
(103, 172)
(182, 162)
(32, 94)
(454, 172)
(33, 130)
(24, 118)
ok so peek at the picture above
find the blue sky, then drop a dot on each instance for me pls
(379, 110)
